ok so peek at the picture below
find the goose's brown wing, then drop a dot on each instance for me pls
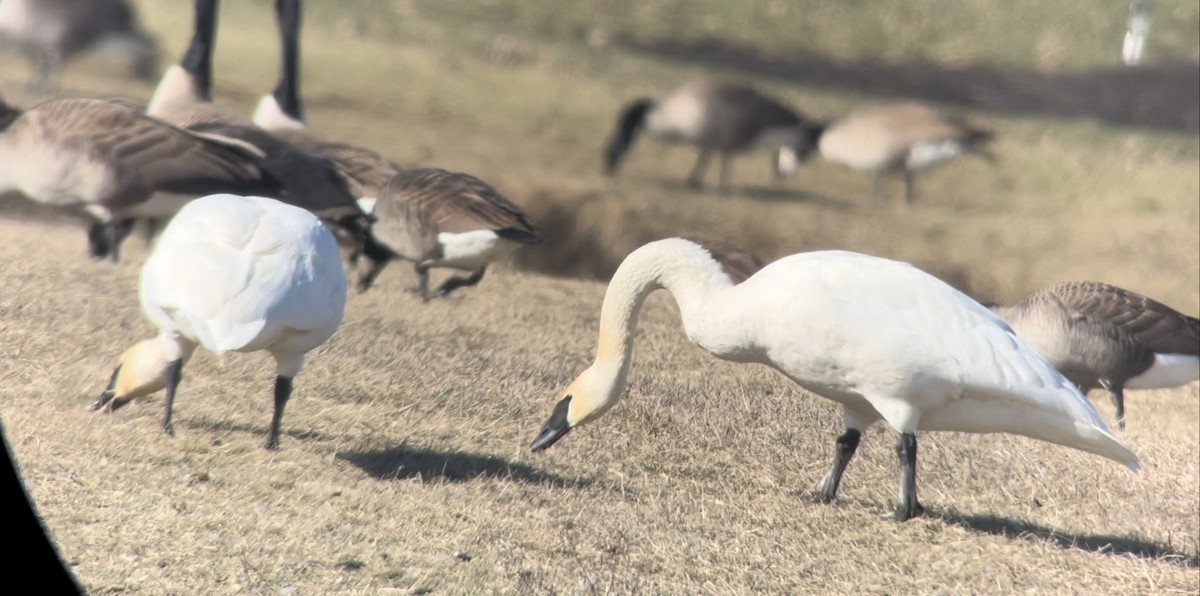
(455, 202)
(1156, 326)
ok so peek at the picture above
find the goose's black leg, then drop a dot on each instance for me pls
(455, 283)
(909, 195)
(113, 237)
(1118, 399)
(723, 180)
(283, 391)
(847, 444)
(378, 256)
(908, 507)
(422, 287)
(696, 178)
(877, 185)
(173, 375)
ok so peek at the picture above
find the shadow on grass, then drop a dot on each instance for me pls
(258, 430)
(1104, 544)
(404, 462)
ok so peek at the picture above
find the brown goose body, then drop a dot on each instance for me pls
(438, 218)
(903, 138)
(108, 159)
(281, 112)
(52, 32)
(737, 262)
(307, 179)
(1099, 335)
(715, 116)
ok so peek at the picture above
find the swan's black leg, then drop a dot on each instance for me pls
(283, 391)
(908, 507)
(174, 375)
(846, 446)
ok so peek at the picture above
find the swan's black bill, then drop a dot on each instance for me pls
(109, 396)
(555, 428)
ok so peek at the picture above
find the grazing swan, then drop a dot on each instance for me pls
(233, 273)
(728, 118)
(883, 338)
(901, 138)
(1100, 335)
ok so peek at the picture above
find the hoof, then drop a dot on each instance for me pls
(905, 513)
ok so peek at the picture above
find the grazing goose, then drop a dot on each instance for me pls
(281, 112)
(233, 273)
(715, 116)
(51, 32)
(900, 138)
(108, 159)
(1099, 335)
(883, 338)
(308, 180)
(437, 218)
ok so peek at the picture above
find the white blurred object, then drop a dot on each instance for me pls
(1136, 33)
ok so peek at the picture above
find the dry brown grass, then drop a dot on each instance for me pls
(404, 465)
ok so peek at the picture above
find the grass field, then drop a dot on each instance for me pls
(404, 465)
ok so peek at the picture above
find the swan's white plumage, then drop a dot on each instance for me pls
(246, 273)
(883, 338)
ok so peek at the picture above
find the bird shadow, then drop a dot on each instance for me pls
(259, 430)
(1097, 543)
(428, 465)
(766, 194)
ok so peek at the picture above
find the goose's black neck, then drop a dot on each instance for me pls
(629, 123)
(287, 92)
(197, 61)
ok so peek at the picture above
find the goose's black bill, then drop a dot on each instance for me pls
(555, 428)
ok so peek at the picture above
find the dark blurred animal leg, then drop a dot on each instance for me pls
(909, 193)
(455, 283)
(723, 179)
(422, 287)
(696, 178)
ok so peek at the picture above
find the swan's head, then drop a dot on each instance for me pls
(140, 372)
(591, 395)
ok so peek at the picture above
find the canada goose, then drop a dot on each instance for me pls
(899, 138)
(51, 32)
(1100, 335)
(437, 218)
(108, 159)
(715, 116)
(233, 273)
(883, 338)
(308, 179)
(738, 263)
(282, 113)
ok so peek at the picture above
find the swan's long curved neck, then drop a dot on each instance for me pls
(682, 268)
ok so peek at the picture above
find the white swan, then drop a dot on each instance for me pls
(883, 338)
(233, 273)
